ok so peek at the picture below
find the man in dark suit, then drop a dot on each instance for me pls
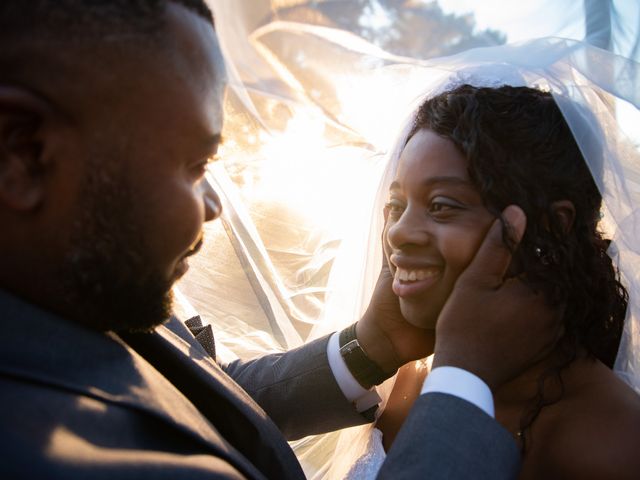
(109, 112)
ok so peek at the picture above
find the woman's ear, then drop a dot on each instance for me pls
(22, 153)
(565, 213)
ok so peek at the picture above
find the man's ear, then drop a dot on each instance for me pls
(23, 161)
(565, 212)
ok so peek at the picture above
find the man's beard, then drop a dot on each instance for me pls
(109, 281)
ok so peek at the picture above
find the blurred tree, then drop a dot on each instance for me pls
(415, 28)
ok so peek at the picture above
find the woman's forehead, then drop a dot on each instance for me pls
(428, 154)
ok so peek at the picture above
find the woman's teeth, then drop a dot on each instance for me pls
(415, 275)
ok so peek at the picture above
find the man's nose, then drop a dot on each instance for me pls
(410, 229)
(212, 204)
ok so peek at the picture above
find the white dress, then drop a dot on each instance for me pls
(367, 466)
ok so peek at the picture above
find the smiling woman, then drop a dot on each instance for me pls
(471, 152)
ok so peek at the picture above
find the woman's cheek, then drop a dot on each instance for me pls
(461, 249)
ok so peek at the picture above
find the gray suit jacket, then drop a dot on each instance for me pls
(75, 403)
(445, 437)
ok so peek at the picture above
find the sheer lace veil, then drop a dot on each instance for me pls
(348, 82)
(591, 86)
(593, 89)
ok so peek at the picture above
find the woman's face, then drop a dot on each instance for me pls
(436, 222)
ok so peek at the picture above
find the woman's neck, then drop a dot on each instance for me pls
(555, 368)
(519, 402)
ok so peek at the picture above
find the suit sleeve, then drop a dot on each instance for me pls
(297, 390)
(445, 437)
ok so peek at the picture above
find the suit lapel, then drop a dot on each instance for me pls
(180, 358)
(40, 347)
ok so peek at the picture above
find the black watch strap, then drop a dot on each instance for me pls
(364, 370)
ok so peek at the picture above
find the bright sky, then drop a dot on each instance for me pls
(525, 19)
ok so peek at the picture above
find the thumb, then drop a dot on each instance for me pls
(493, 257)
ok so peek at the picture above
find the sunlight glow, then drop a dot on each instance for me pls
(303, 171)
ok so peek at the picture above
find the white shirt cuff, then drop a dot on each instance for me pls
(362, 398)
(460, 383)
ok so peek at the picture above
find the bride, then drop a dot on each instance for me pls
(468, 153)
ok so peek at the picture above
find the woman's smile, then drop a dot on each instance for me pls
(436, 221)
(408, 281)
(417, 286)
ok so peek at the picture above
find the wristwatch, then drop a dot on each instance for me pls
(364, 370)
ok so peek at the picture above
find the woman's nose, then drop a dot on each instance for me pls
(410, 229)
(212, 204)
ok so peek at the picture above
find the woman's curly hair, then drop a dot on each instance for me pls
(520, 151)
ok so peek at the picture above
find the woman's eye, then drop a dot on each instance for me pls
(443, 205)
(394, 207)
(438, 207)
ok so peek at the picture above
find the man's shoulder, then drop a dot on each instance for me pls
(52, 432)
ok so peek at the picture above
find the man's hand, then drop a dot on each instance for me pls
(386, 337)
(492, 327)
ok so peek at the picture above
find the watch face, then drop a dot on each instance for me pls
(363, 369)
(350, 347)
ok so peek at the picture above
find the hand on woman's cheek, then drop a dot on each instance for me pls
(490, 326)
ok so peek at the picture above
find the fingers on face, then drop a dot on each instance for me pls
(493, 258)
(516, 222)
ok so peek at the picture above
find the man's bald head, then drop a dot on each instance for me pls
(78, 19)
(36, 34)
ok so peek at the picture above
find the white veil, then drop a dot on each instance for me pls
(581, 78)
(308, 156)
